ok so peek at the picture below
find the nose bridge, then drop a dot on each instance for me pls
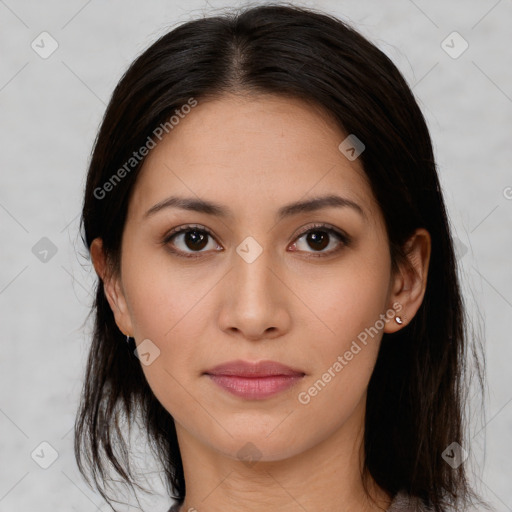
(252, 268)
(252, 305)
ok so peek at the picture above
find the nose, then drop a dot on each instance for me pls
(255, 298)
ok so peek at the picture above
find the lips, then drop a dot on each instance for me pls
(247, 369)
(254, 381)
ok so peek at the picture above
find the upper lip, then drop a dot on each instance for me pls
(253, 369)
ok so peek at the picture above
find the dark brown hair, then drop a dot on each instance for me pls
(415, 401)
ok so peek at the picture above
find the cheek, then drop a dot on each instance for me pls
(169, 306)
(344, 334)
(162, 295)
(346, 299)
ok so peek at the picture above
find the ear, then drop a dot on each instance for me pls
(410, 281)
(111, 287)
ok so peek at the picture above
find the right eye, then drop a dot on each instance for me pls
(192, 238)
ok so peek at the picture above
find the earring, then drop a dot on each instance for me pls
(127, 339)
(398, 320)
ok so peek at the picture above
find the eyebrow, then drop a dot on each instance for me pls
(218, 210)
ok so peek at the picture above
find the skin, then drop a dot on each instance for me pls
(254, 154)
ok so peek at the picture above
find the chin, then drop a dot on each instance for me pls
(253, 447)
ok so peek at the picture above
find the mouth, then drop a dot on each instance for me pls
(255, 381)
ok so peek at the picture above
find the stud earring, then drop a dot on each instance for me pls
(398, 320)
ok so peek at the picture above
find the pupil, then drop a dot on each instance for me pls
(196, 238)
(313, 237)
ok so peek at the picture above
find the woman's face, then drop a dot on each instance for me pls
(255, 287)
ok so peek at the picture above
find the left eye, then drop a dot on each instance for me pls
(318, 238)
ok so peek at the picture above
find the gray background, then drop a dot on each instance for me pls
(50, 112)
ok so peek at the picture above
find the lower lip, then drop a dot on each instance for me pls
(255, 388)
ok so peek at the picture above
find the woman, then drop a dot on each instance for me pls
(263, 211)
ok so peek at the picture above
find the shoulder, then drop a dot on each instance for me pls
(403, 502)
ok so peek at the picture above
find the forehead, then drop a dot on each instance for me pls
(251, 152)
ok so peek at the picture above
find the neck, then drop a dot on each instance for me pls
(327, 476)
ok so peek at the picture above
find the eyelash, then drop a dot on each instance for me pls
(327, 228)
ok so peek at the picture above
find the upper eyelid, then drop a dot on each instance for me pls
(183, 229)
(321, 225)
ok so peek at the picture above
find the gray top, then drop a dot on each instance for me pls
(406, 503)
(401, 503)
